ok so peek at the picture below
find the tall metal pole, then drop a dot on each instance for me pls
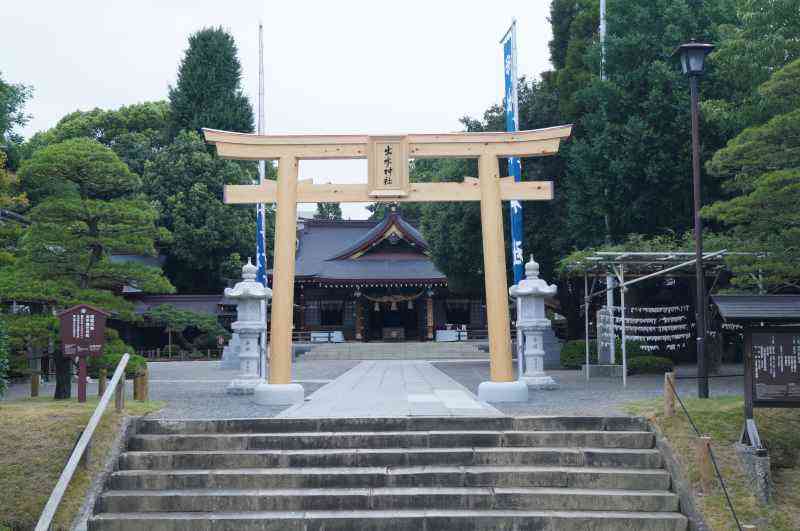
(260, 210)
(702, 366)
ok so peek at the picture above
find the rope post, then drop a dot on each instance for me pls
(144, 392)
(101, 381)
(703, 462)
(669, 394)
(34, 384)
(119, 397)
(137, 385)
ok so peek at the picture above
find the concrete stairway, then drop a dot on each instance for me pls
(415, 473)
(430, 350)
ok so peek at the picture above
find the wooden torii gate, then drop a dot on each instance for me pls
(388, 180)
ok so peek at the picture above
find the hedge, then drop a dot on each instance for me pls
(649, 365)
(573, 353)
(110, 360)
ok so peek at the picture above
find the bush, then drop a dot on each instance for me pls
(573, 354)
(110, 360)
(112, 353)
(649, 365)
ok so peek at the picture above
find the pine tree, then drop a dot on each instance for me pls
(330, 211)
(208, 92)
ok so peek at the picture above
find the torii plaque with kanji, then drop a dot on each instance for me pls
(388, 158)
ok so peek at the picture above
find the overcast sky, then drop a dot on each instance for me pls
(330, 66)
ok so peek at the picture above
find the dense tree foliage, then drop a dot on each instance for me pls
(189, 329)
(186, 182)
(208, 91)
(761, 167)
(12, 116)
(88, 208)
(135, 132)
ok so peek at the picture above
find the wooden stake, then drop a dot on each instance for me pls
(494, 270)
(280, 366)
(703, 462)
(119, 398)
(34, 384)
(102, 381)
(136, 387)
(669, 394)
(145, 391)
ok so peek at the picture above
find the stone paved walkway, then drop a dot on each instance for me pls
(391, 389)
(599, 396)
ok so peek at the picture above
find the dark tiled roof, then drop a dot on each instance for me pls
(207, 304)
(321, 243)
(374, 234)
(758, 307)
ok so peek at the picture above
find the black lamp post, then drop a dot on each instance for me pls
(693, 57)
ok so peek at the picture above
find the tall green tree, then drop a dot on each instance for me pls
(208, 91)
(12, 116)
(187, 182)
(761, 169)
(135, 132)
(331, 211)
(88, 209)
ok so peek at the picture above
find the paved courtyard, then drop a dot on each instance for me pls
(599, 396)
(340, 388)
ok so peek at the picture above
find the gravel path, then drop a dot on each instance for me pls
(576, 396)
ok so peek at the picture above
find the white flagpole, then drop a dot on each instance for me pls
(262, 169)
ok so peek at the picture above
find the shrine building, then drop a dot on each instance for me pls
(373, 280)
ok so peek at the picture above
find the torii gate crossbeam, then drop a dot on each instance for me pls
(388, 181)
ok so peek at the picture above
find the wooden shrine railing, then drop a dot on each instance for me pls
(80, 455)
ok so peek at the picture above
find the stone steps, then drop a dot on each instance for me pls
(400, 350)
(414, 520)
(384, 477)
(278, 425)
(362, 499)
(366, 457)
(420, 473)
(418, 439)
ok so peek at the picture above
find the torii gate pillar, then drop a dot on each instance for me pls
(388, 158)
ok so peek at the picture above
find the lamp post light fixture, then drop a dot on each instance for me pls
(693, 59)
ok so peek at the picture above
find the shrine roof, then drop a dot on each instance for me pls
(330, 251)
(758, 307)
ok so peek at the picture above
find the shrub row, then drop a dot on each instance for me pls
(573, 356)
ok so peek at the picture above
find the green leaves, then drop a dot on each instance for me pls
(208, 92)
(79, 167)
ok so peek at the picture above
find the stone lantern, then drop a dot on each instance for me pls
(532, 323)
(249, 325)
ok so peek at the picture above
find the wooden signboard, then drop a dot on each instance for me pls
(82, 329)
(388, 166)
(771, 373)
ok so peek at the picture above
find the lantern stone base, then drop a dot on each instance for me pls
(516, 391)
(267, 394)
(603, 371)
(242, 386)
(540, 382)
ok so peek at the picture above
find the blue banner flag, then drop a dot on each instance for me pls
(261, 253)
(514, 167)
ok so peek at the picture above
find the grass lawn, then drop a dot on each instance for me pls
(722, 419)
(38, 435)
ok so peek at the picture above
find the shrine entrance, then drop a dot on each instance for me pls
(388, 180)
